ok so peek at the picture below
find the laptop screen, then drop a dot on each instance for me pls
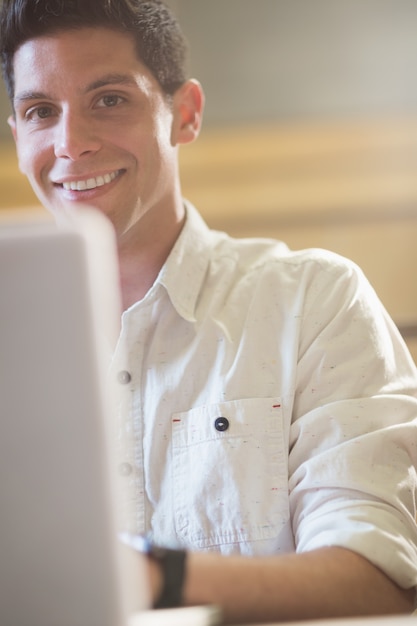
(59, 558)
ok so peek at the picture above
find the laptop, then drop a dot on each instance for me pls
(61, 563)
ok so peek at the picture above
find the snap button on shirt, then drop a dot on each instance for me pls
(125, 469)
(124, 377)
(221, 424)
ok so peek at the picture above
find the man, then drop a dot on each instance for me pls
(269, 404)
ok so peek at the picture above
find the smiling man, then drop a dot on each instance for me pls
(98, 129)
(268, 422)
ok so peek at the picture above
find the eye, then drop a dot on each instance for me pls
(39, 113)
(44, 112)
(110, 100)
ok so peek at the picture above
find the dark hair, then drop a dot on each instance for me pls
(160, 43)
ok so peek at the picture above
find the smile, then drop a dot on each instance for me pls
(90, 183)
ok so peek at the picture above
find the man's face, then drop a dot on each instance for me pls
(92, 125)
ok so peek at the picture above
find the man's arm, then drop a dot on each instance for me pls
(329, 582)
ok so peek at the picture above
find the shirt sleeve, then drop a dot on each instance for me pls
(353, 447)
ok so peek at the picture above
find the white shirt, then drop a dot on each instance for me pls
(317, 441)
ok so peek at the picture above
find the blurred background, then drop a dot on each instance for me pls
(297, 59)
(310, 131)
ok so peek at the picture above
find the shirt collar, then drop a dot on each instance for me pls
(183, 273)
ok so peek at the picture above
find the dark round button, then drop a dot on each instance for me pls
(221, 424)
(125, 469)
(124, 377)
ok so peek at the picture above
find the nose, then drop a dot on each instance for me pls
(75, 137)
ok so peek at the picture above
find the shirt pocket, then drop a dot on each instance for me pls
(230, 476)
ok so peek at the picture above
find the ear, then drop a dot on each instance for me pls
(188, 105)
(12, 123)
(11, 120)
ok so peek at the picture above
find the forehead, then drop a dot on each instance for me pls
(77, 57)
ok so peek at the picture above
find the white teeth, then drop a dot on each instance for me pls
(90, 183)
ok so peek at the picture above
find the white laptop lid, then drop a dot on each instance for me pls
(59, 555)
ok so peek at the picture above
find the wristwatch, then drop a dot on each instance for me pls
(172, 566)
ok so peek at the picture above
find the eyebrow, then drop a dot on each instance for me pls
(111, 79)
(107, 80)
(30, 95)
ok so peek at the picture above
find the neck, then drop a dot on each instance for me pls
(142, 254)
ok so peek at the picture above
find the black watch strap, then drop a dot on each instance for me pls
(172, 564)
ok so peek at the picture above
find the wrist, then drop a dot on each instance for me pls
(166, 570)
(171, 565)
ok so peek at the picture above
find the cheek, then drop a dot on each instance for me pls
(32, 157)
